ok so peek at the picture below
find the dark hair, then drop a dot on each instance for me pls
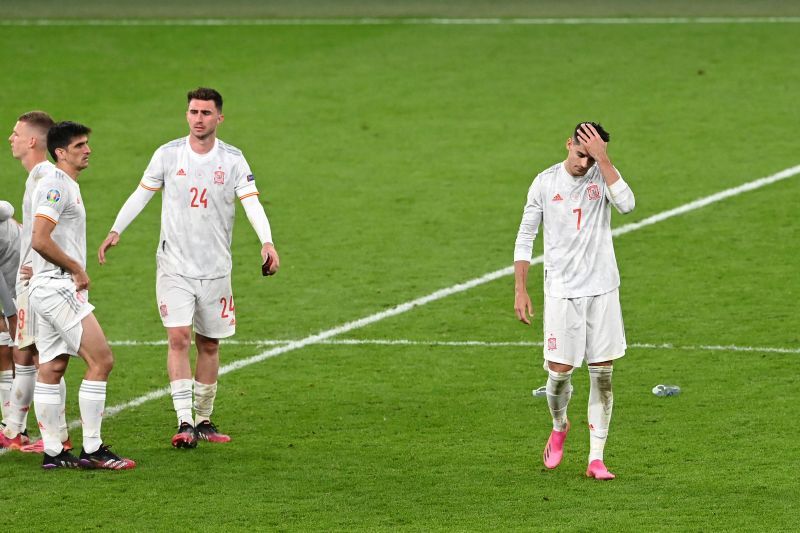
(38, 119)
(600, 131)
(62, 134)
(204, 93)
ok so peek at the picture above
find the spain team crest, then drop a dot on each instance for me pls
(593, 191)
(219, 177)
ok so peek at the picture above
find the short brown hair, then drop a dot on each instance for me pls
(205, 93)
(38, 119)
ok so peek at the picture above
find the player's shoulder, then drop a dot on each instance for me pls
(228, 148)
(173, 145)
(41, 170)
(548, 173)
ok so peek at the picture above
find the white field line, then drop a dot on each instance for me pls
(486, 344)
(443, 293)
(388, 21)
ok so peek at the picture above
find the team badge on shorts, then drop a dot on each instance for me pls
(593, 191)
(163, 310)
(53, 196)
(551, 344)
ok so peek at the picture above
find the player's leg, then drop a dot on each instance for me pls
(24, 354)
(605, 343)
(175, 296)
(6, 365)
(94, 350)
(563, 350)
(47, 404)
(215, 318)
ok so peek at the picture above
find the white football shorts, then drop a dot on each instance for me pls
(59, 310)
(26, 318)
(5, 336)
(588, 328)
(206, 304)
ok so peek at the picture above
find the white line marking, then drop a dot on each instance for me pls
(520, 21)
(461, 287)
(486, 344)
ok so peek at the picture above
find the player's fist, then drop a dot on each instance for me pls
(81, 279)
(111, 240)
(270, 261)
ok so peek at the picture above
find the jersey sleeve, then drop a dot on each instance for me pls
(245, 181)
(52, 198)
(529, 226)
(153, 178)
(6, 210)
(620, 195)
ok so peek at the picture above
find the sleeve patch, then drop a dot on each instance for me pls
(53, 196)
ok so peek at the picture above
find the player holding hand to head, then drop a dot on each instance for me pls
(201, 177)
(582, 314)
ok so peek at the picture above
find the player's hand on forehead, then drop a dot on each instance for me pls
(587, 133)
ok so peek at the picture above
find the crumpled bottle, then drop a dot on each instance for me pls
(666, 390)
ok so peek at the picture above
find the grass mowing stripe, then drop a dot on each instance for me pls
(400, 21)
(461, 287)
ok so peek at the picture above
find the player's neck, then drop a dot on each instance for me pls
(202, 146)
(32, 159)
(69, 170)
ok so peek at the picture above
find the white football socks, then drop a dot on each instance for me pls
(182, 399)
(601, 403)
(6, 380)
(204, 395)
(63, 429)
(92, 401)
(559, 391)
(47, 404)
(20, 401)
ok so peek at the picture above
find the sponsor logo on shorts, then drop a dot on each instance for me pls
(163, 310)
(551, 344)
(233, 322)
(53, 196)
(594, 191)
(219, 177)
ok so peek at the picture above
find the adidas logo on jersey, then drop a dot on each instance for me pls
(557, 198)
(181, 172)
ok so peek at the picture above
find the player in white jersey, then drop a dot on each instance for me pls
(28, 142)
(59, 294)
(9, 260)
(201, 177)
(582, 315)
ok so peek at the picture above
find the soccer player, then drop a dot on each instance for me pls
(9, 259)
(582, 314)
(58, 294)
(28, 142)
(201, 177)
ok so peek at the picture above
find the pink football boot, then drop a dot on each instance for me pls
(598, 470)
(554, 449)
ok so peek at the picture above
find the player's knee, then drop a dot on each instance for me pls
(178, 341)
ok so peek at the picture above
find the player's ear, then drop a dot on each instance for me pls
(221, 117)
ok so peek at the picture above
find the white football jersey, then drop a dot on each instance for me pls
(579, 255)
(58, 199)
(34, 176)
(9, 245)
(197, 206)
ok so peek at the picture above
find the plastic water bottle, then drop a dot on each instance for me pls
(540, 392)
(666, 390)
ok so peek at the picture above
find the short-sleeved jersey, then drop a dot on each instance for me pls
(579, 255)
(58, 199)
(34, 176)
(198, 206)
(9, 245)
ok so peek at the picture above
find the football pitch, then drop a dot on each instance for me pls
(381, 381)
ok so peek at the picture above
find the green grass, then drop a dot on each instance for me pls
(393, 161)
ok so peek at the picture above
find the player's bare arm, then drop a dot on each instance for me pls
(522, 301)
(111, 240)
(42, 241)
(596, 149)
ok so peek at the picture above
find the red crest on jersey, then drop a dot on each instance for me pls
(219, 177)
(551, 344)
(593, 191)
